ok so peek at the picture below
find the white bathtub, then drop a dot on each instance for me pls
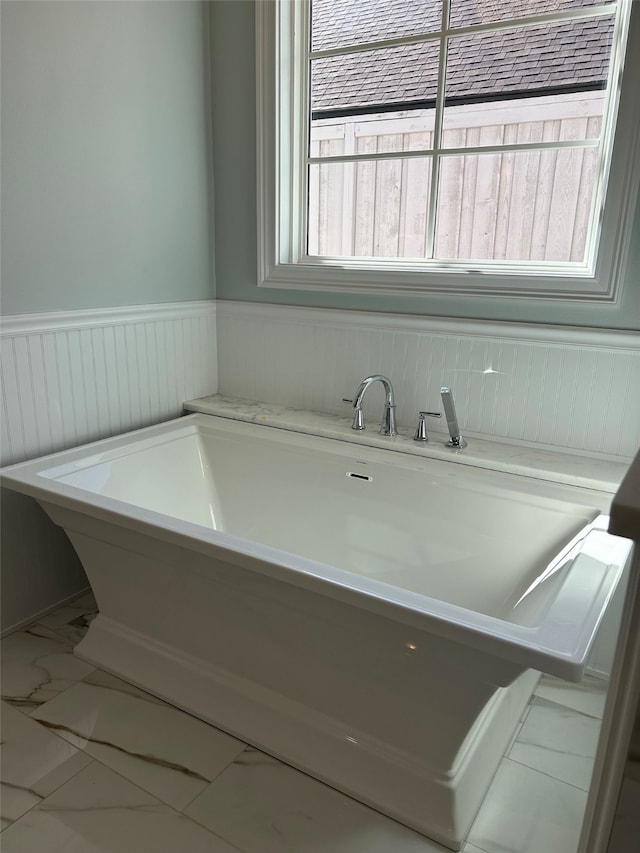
(372, 618)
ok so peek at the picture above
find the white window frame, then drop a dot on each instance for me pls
(282, 144)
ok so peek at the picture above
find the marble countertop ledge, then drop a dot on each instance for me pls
(555, 466)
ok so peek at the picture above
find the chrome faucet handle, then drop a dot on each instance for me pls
(421, 429)
(358, 415)
(455, 440)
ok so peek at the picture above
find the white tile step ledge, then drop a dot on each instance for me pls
(553, 465)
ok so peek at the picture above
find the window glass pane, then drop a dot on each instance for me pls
(546, 119)
(369, 208)
(465, 13)
(370, 134)
(337, 23)
(507, 86)
(531, 205)
(526, 85)
(375, 80)
(530, 59)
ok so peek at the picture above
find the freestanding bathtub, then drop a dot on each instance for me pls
(373, 618)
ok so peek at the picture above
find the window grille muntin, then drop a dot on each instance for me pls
(282, 113)
(438, 150)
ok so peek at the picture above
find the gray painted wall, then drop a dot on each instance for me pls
(104, 154)
(234, 101)
(105, 199)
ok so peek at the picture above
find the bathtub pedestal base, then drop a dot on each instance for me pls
(439, 805)
(373, 703)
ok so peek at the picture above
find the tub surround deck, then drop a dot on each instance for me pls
(556, 466)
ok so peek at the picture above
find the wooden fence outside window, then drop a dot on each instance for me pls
(531, 205)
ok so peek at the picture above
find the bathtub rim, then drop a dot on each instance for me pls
(564, 656)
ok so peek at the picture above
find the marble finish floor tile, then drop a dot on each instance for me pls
(528, 812)
(588, 696)
(34, 763)
(69, 612)
(100, 812)
(72, 620)
(75, 630)
(75, 770)
(261, 805)
(37, 665)
(167, 752)
(558, 741)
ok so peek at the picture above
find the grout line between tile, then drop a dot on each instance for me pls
(42, 704)
(514, 738)
(217, 775)
(568, 707)
(179, 812)
(203, 826)
(57, 788)
(30, 707)
(546, 701)
(548, 775)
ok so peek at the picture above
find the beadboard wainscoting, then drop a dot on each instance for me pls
(75, 376)
(555, 387)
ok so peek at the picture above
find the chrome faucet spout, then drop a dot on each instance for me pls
(388, 424)
(366, 383)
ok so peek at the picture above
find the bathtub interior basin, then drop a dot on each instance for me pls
(521, 568)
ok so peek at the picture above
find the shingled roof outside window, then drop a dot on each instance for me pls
(519, 62)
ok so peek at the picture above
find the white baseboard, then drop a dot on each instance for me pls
(6, 631)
